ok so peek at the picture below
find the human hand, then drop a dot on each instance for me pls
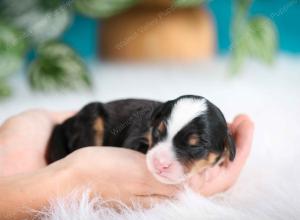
(23, 140)
(221, 177)
(112, 172)
(118, 174)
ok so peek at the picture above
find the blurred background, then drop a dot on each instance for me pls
(60, 54)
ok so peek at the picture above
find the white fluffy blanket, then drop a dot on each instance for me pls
(269, 187)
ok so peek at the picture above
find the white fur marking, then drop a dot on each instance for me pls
(184, 111)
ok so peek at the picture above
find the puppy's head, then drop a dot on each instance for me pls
(188, 135)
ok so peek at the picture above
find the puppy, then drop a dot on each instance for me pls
(180, 137)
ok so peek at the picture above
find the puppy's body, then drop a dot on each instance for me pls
(122, 123)
(180, 137)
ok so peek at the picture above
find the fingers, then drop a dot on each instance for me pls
(237, 121)
(41, 114)
(243, 138)
(220, 178)
(242, 129)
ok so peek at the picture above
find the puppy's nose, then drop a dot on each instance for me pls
(161, 165)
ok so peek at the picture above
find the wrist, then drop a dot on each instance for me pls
(32, 191)
(62, 178)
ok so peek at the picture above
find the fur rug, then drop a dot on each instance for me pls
(269, 187)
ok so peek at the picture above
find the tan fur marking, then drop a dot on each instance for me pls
(162, 127)
(200, 165)
(193, 139)
(226, 153)
(99, 131)
(148, 136)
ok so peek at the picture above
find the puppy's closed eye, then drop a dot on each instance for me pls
(144, 145)
(160, 130)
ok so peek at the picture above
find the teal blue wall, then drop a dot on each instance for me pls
(284, 13)
(82, 34)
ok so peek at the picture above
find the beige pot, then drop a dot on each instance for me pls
(158, 33)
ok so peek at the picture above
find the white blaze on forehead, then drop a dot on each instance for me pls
(184, 111)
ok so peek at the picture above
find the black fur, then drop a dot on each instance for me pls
(126, 123)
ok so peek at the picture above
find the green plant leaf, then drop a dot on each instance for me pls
(53, 4)
(40, 20)
(12, 50)
(239, 54)
(5, 89)
(251, 37)
(262, 44)
(103, 8)
(188, 3)
(57, 67)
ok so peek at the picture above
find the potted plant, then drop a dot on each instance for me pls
(131, 30)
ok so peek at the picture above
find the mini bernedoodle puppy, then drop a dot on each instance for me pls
(180, 137)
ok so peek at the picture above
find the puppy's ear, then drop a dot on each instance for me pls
(163, 110)
(230, 147)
